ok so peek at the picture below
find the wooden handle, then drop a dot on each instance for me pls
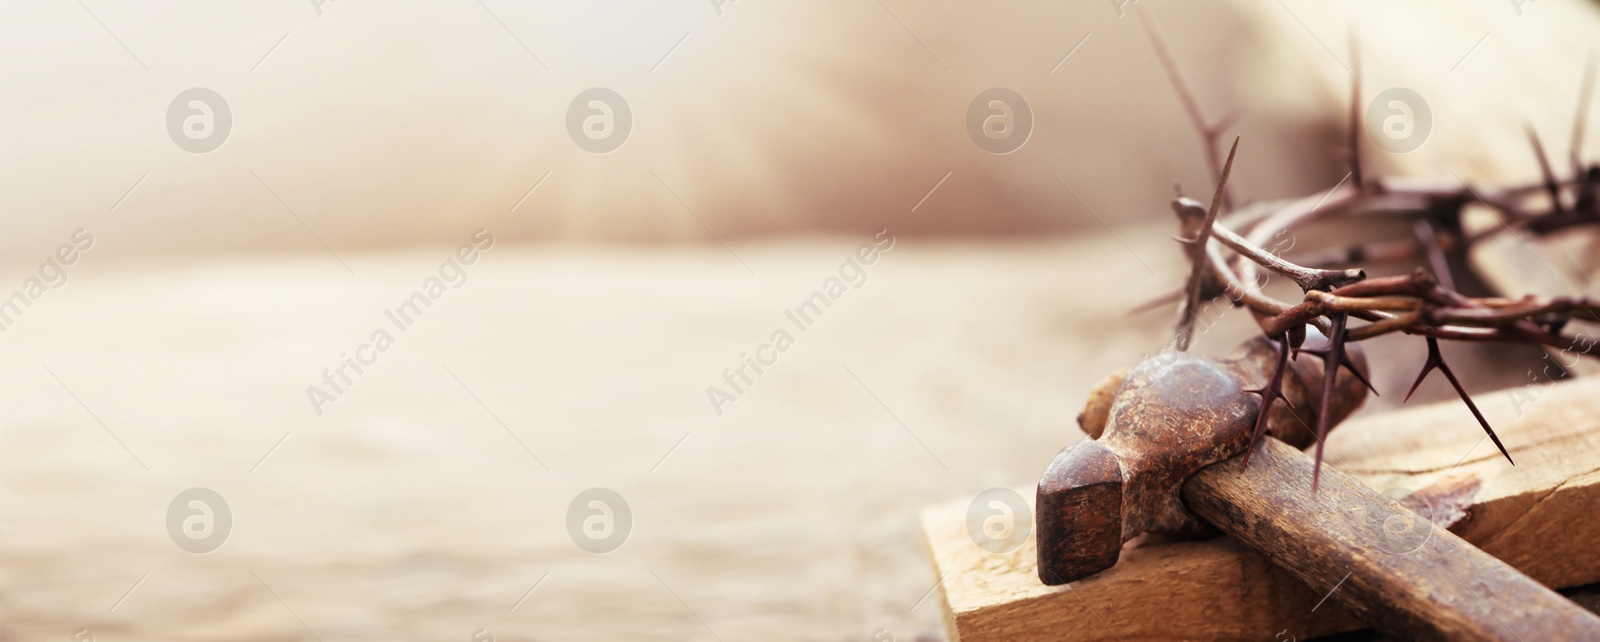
(1385, 564)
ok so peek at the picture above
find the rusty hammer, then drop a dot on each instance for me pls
(1165, 456)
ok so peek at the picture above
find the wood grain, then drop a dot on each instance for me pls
(1387, 564)
(1539, 516)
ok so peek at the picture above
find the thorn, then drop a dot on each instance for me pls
(1344, 360)
(1430, 244)
(1330, 373)
(1222, 185)
(1269, 393)
(1164, 299)
(1551, 185)
(1355, 110)
(1428, 365)
(1436, 360)
(1582, 118)
(1199, 259)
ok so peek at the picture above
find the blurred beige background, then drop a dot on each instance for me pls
(395, 124)
(369, 139)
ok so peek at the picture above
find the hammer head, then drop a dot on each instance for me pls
(1172, 415)
(1082, 494)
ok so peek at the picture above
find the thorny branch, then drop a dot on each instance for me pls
(1198, 248)
(1355, 110)
(1210, 132)
(1423, 303)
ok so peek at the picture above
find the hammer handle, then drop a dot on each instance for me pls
(1390, 568)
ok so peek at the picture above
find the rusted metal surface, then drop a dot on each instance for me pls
(1172, 415)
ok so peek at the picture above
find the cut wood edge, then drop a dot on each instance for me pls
(1540, 516)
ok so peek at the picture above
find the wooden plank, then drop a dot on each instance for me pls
(1559, 264)
(1539, 515)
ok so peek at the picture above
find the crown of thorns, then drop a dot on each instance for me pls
(1224, 247)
